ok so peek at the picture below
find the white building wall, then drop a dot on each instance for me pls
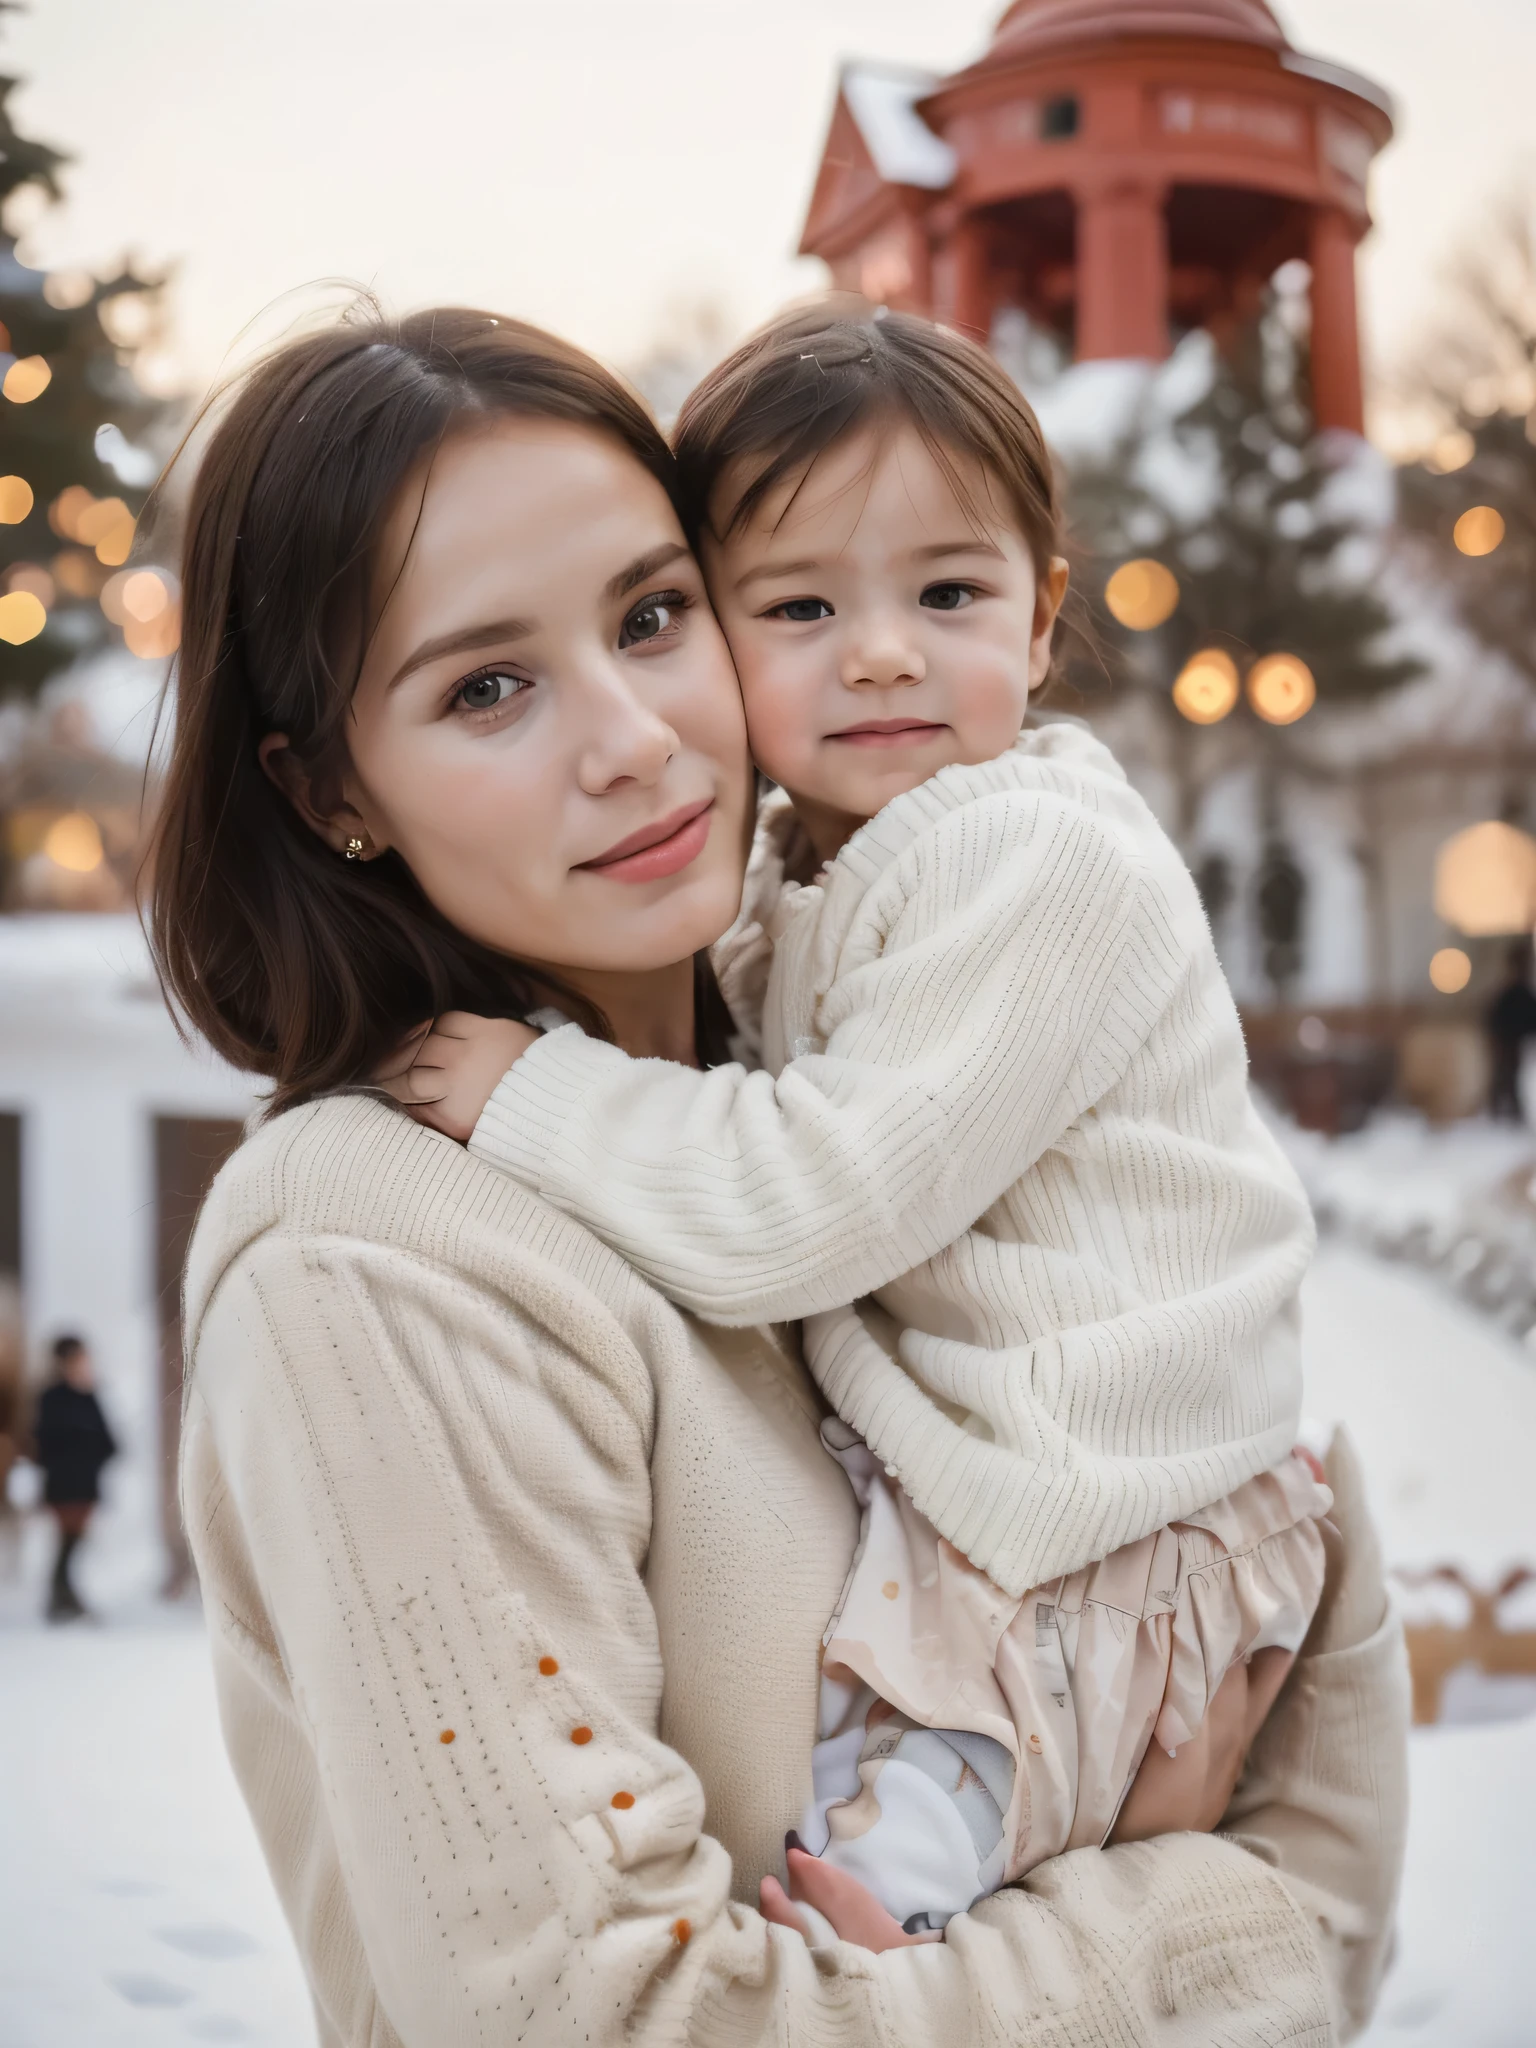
(88, 1058)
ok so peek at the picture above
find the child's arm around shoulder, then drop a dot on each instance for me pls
(995, 978)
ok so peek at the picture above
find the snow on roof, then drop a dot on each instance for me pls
(905, 149)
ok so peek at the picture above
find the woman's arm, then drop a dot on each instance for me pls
(1325, 1796)
(419, 1515)
(1002, 974)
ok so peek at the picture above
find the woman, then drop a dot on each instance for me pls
(514, 1572)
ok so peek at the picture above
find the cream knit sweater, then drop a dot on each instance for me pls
(1006, 1093)
(514, 1579)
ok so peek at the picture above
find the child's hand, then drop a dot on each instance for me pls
(449, 1071)
(852, 1909)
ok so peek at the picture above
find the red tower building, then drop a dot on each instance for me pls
(1119, 170)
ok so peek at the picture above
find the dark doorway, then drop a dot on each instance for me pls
(189, 1150)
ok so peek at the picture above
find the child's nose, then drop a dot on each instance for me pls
(886, 660)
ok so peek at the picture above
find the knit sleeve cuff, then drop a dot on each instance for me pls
(535, 1099)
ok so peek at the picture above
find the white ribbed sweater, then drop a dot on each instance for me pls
(1006, 1094)
(450, 1467)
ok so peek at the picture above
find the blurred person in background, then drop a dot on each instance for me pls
(1510, 1022)
(11, 1431)
(71, 1441)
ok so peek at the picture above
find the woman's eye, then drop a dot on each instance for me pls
(802, 610)
(947, 597)
(487, 692)
(657, 619)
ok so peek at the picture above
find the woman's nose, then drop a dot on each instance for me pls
(882, 656)
(622, 738)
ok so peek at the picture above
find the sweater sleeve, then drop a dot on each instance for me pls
(439, 1680)
(1000, 975)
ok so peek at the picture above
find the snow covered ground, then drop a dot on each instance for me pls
(135, 1909)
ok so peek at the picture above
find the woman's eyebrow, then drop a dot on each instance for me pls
(465, 641)
(643, 567)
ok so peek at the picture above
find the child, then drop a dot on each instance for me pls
(1005, 1098)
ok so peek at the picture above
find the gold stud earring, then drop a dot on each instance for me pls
(355, 848)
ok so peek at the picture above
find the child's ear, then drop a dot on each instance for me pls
(1050, 592)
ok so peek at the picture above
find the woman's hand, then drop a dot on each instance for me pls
(851, 1909)
(448, 1071)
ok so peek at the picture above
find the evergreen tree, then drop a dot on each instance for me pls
(73, 470)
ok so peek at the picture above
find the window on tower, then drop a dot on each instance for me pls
(1058, 118)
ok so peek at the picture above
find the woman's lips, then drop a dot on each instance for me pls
(887, 732)
(658, 850)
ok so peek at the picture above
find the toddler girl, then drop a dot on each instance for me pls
(1002, 1110)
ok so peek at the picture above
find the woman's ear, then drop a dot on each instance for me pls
(1050, 592)
(340, 825)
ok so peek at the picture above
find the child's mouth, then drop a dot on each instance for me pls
(888, 732)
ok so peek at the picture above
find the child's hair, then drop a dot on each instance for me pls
(293, 962)
(813, 376)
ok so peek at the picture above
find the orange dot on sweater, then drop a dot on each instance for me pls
(581, 1735)
(680, 1931)
(446, 1736)
(890, 1589)
(623, 1801)
(548, 1666)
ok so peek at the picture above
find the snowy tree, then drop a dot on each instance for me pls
(1261, 589)
(74, 470)
(1471, 502)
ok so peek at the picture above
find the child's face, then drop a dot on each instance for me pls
(883, 625)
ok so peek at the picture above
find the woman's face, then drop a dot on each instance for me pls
(547, 727)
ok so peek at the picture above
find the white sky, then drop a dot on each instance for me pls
(597, 164)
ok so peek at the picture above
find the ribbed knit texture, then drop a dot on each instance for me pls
(1006, 1094)
(450, 1468)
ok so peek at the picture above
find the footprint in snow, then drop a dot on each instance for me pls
(139, 1988)
(210, 1943)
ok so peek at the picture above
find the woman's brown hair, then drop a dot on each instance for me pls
(292, 961)
(815, 375)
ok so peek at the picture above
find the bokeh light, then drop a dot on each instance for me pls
(106, 525)
(23, 616)
(66, 289)
(78, 573)
(1206, 688)
(1142, 594)
(1479, 531)
(157, 638)
(1450, 970)
(27, 379)
(145, 596)
(1485, 880)
(34, 577)
(15, 500)
(1281, 688)
(1454, 450)
(68, 509)
(73, 842)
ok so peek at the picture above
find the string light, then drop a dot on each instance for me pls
(15, 500)
(22, 617)
(1142, 594)
(1450, 970)
(1206, 688)
(1281, 689)
(1479, 531)
(73, 842)
(1485, 880)
(27, 379)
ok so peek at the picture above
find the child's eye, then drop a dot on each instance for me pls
(947, 597)
(489, 690)
(802, 610)
(654, 618)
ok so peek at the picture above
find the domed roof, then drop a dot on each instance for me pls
(1040, 25)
